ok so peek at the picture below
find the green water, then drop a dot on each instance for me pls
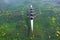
(15, 21)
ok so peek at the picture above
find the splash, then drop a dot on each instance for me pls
(32, 25)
